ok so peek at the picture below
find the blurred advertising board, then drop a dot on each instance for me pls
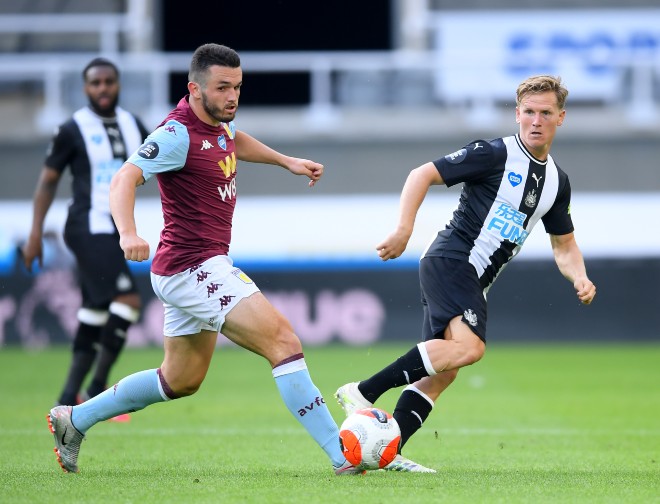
(486, 54)
(315, 259)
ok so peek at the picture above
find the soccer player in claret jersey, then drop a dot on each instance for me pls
(194, 154)
(509, 185)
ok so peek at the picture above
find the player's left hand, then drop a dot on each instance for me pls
(306, 167)
(586, 290)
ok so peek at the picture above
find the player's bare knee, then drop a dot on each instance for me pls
(473, 353)
(288, 344)
(285, 339)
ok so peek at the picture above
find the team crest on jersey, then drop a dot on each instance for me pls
(515, 179)
(222, 142)
(456, 157)
(530, 199)
(124, 282)
(470, 317)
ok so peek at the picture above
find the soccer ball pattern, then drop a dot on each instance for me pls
(370, 438)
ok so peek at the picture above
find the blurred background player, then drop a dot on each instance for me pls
(93, 143)
(194, 153)
(509, 185)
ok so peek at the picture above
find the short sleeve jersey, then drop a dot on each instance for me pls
(506, 191)
(195, 164)
(94, 148)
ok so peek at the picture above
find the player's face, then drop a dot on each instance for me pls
(539, 117)
(102, 90)
(220, 95)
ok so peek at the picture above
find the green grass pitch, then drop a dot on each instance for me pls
(528, 424)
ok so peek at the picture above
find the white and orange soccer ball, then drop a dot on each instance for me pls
(370, 438)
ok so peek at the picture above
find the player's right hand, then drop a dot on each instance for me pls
(134, 247)
(393, 246)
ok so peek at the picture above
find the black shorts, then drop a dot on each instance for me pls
(102, 270)
(450, 287)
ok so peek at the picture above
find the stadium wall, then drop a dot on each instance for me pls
(314, 257)
(360, 305)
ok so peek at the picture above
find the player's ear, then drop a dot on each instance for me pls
(562, 115)
(194, 89)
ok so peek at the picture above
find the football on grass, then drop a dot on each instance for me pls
(370, 438)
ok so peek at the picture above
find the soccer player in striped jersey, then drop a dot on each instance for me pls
(509, 184)
(93, 144)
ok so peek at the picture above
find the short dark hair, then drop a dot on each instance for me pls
(96, 62)
(207, 55)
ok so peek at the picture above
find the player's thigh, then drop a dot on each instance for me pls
(255, 324)
(187, 360)
(472, 347)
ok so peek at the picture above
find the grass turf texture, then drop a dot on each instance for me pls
(526, 424)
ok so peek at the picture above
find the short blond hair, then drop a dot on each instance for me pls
(542, 84)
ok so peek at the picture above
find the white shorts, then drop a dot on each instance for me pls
(200, 298)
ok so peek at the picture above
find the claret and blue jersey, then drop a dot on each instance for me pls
(506, 192)
(188, 157)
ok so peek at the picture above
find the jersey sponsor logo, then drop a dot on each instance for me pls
(148, 150)
(206, 145)
(477, 145)
(470, 317)
(171, 129)
(515, 179)
(456, 157)
(530, 199)
(228, 165)
(508, 223)
(222, 142)
(538, 179)
(228, 190)
(97, 139)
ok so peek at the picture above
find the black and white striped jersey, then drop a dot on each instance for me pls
(94, 148)
(505, 193)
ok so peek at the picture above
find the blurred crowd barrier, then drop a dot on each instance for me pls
(321, 270)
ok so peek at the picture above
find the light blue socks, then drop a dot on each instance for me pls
(133, 393)
(306, 403)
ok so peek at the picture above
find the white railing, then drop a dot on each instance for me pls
(53, 69)
(109, 27)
